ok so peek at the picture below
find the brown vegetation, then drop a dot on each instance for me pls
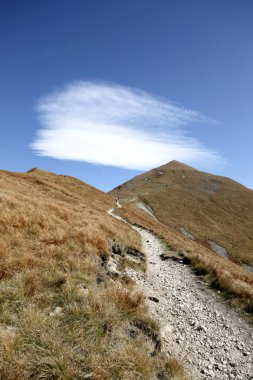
(61, 315)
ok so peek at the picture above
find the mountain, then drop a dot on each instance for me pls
(214, 211)
(76, 301)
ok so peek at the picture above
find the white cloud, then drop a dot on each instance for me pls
(114, 125)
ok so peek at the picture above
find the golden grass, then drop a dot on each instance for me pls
(61, 315)
(44, 215)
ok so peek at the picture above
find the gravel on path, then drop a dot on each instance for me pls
(197, 326)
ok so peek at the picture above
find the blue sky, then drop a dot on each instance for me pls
(103, 90)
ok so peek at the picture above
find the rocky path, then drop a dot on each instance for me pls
(197, 326)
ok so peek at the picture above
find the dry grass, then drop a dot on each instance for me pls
(208, 206)
(61, 315)
(223, 274)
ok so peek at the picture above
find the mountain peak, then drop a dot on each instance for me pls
(176, 165)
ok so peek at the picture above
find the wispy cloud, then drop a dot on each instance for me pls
(113, 125)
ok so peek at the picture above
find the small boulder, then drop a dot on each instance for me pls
(57, 311)
(154, 299)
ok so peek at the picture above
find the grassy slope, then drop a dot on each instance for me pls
(210, 207)
(54, 235)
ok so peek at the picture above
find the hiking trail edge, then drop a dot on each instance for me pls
(205, 334)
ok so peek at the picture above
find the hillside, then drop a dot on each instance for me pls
(67, 306)
(212, 210)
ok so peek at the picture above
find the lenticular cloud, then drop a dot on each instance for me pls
(114, 125)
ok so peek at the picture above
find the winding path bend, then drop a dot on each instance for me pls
(197, 326)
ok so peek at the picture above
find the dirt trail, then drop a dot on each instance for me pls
(197, 326)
